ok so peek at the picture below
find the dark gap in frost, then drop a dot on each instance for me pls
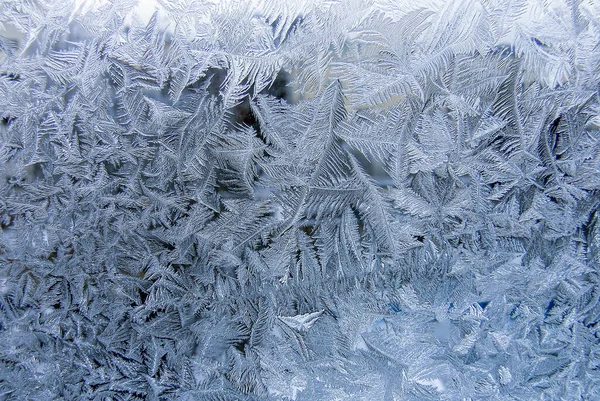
(280, 87)
(549, 308)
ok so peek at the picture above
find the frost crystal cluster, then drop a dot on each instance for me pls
(300, 200)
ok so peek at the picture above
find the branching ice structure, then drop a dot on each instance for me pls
(299, 200)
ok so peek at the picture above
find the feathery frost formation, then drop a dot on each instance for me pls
(299, 200)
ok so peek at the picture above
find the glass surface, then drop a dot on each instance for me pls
(299, 200)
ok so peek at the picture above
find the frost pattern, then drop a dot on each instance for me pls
(299, 200)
